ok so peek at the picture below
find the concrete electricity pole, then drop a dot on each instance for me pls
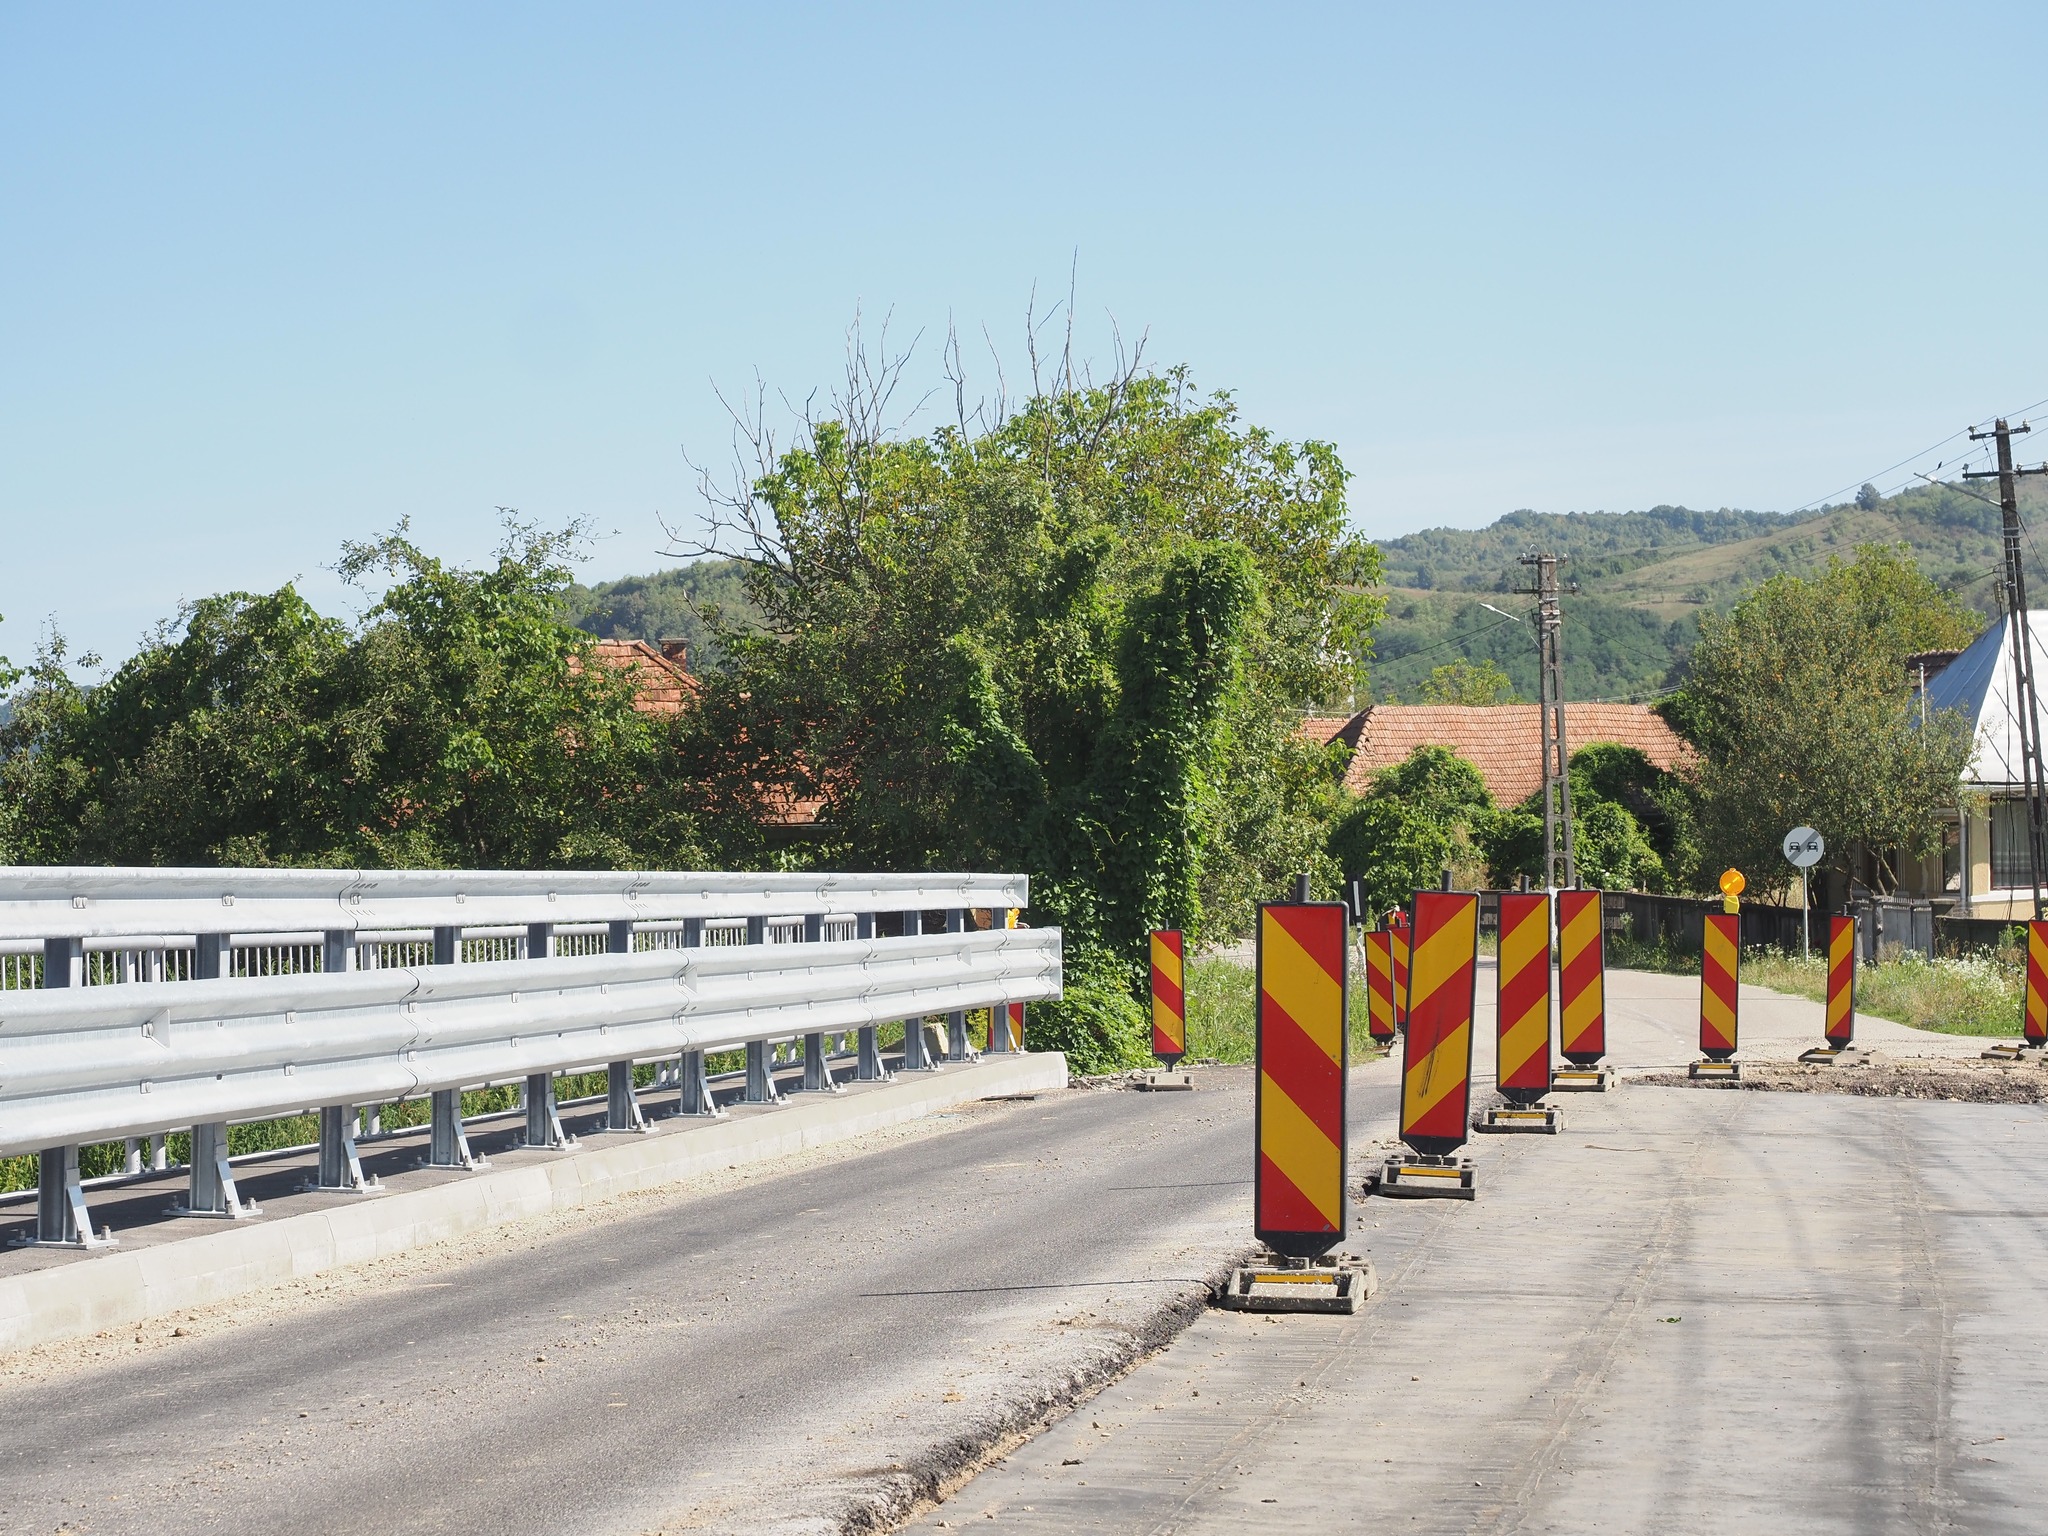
(1560, 862)
(2034, 777)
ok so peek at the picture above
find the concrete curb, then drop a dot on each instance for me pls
(113, 1289)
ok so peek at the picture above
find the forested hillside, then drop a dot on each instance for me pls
(1646, 577)
(668, 605)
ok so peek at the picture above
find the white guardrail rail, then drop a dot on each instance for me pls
(138, 1001)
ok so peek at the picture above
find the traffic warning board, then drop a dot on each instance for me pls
(1379, 987)
(1436, 1066)
(1581, 978)
(1841, 1015)
(1524, 997)
(1719, 998)
(1298, 1203)
(1169, 1002)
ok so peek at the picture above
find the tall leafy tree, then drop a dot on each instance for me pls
(1801, 707)
(459, 723)
(1073, 640)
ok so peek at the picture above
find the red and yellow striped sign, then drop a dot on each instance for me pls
(2035, 1025)
(1841, 1014)
(1169, 1006)
(1398, 934)
(1581, 978)
(1379, 986)
(1719, 1002)
(1524, 996)
(1298, 1203)
(1010, 1020)
(1436, 1066)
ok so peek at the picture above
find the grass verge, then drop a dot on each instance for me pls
(1222, 1005)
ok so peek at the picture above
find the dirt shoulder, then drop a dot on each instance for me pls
(1963, 1080)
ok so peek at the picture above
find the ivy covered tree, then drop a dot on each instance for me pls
(1073, 638)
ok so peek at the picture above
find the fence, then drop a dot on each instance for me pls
(339, 989)
(1885, 926)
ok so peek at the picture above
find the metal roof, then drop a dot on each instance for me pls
(1979, 685)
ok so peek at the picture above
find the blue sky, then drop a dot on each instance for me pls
(271, 277)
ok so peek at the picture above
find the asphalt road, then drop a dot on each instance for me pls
(768, 1358)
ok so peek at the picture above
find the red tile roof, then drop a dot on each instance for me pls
(1503, 741)
(661, 681)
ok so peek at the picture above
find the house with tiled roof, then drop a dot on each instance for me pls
(1503, 741)
(662, 683)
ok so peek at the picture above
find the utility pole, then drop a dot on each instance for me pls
(1560, 864)
(2033, 776)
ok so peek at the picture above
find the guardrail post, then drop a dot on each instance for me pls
(817, 1063)
(869, 1068)
(760, 1074)
(760, 1069)
(211, 1191)
(693, 1085)
(210, 956)
(957, 1048)
(341, 1170)
(61, 1217)
(63, 962)
(998, 1013)
(622, 1108)
(917, 1057)
(447, 1141)
(543, 1119)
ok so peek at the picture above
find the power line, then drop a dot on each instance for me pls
(1910, 458)
(1470, 635)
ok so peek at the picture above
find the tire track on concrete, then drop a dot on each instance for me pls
(1593, 1352)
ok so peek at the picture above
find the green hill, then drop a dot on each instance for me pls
(668, 605)
(1645, 577)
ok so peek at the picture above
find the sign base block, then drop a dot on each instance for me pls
(2009, 1050)
(1536, 1120)
(1165, 1083)
(1833, 1055)
(1715, 1072)
(1411, 1176)
(1581, 1079)
(1331, 1284)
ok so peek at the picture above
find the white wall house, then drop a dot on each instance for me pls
(1982, 867)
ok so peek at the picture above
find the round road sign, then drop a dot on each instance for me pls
(1732, 883)
(1803, 847)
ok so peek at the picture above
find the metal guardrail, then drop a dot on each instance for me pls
(130, 1009)
(38, 903)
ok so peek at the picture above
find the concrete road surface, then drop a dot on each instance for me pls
(1856, 1286)
(1693, 1311)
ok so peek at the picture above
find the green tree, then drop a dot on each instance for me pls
(1075, 642)
(1468, 682)
(460, 723)
(1415, 821)
(1803, 713)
